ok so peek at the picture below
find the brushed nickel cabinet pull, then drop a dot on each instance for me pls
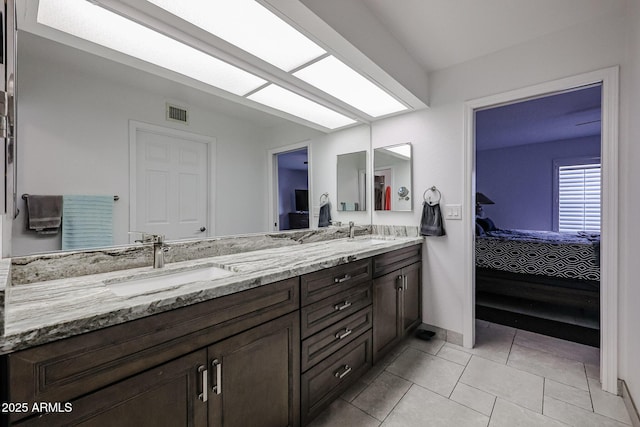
(346, 370)
(345, 334)
(217, 388)
(341, 279)
(405, 281)
(340, 307)
(204, 396)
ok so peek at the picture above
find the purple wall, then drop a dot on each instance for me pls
(520, 180)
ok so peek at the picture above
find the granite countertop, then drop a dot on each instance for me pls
(41, 312)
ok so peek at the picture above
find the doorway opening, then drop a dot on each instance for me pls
(292, 177)
(609, 79)
(538, 206)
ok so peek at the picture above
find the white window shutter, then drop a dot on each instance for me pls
(579, 198)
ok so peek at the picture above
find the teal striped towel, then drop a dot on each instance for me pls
(87, 222)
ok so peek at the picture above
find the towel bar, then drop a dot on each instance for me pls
(26, 196)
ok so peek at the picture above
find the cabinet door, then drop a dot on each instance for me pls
(168, 395)
(386, 314)
(412, 297)
(255, 377)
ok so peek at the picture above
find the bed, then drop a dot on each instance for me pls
(540, 280)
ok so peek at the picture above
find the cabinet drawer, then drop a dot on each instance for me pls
(324, 283)
(325, 381)
(332, 338)
(391, 261)
(315, 317)
(65, 369)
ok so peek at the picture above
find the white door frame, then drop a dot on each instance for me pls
(609, 77)
(272, 171)
(134, 127)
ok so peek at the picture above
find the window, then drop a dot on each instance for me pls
(577, 195)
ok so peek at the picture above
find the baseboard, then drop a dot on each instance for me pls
(629, 403)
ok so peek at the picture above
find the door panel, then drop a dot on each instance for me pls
(411, 296)
(259, 376)
(172, 185)
(386, 306)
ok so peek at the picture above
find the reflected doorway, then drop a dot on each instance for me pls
(292, 189)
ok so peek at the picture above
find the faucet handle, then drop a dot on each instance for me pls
(149, 237)
(351, 223)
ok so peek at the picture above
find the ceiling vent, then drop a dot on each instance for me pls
(177, 113)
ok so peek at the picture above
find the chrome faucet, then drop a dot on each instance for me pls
(159, 248)
(352, 230)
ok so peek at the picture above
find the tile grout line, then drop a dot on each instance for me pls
(398, 402)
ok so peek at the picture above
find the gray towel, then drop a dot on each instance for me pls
(431, 223)
(325, 215)
(44, 213)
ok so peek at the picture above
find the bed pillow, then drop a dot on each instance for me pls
(486, 224)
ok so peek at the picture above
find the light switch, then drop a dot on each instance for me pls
(453, 211)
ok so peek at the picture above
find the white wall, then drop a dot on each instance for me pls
(437, 136)
(73, 135)
(629, 175)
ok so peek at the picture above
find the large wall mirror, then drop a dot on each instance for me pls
(392, 175)
(88, 123)
(352, 181)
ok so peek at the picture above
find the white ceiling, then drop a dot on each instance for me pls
(442, 33)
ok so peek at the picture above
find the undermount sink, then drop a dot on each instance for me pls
(376, 241)
(166, 279)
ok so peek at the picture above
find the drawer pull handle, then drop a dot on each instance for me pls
(340, 307)
(217, 388)
(341, 279)
(346, 371)
(204, 396)
(345, 334)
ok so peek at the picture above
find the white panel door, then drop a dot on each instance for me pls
(171, 185)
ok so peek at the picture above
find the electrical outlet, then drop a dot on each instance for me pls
(453, 211)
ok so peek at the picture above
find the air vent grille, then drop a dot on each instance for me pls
(177, 114)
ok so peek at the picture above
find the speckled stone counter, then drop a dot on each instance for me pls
(44, 311)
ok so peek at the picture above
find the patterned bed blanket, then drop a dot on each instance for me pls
(547, 253)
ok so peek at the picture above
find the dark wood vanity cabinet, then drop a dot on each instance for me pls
(230, 361)
(272, 356)
(397, 297)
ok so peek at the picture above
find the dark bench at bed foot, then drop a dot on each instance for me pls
(573, 324)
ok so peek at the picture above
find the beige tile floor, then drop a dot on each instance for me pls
(511, 378)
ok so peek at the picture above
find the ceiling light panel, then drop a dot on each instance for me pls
(95, 24)
(341, 81)
(282, 99)
(250, 26)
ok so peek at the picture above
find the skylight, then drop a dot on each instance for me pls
(282, 99)
(339, 80)
(249, 26)
(95, 24)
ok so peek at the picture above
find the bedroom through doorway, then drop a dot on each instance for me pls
(538, 214)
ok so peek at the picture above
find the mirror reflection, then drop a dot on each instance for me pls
(352, 181)
(183, 162)
(392, 174)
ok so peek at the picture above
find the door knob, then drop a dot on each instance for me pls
(203, 229)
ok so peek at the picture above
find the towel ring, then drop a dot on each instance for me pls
(324, 196)
(428, 200)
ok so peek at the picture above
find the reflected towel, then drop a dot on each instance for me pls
(387, 199)
(325, 215)
(44, 213)
(431, 223)
(87, 222)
